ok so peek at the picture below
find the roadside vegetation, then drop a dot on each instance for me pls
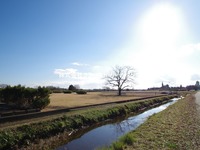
(81, 92)
(24, 135)
(177, 127)
(72, 89)
(20, 97)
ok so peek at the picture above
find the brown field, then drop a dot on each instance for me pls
(60, 100)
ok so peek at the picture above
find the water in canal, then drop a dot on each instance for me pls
(107, 134)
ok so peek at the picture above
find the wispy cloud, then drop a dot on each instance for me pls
(75, 74)
(70, 72)
(79, 64)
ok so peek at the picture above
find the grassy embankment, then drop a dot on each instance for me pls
(23, 135)
(177, 127)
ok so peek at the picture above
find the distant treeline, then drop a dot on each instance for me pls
(24, 98)
(187, 88)
(71, 89)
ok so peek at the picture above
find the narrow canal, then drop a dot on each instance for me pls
(107, 134)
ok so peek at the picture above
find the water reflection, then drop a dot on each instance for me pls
(107, 134)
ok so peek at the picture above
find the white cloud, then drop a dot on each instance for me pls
(189, 49)
(79, 64)
(70, 72)
(91, 79)
(195, 77)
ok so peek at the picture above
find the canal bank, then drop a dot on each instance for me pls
(48, 134)
(177, 127)
(106, 134)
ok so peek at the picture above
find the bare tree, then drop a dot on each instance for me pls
(121, 77)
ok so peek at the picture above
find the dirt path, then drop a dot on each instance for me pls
(197, 100)
(177, 127)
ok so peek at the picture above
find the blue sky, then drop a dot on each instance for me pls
(48, 42)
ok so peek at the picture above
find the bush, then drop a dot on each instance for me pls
(41, 103)
(56, 91)
(127, 139)
(25, 98)
(81, 92)
(67, 92)
(117, 146)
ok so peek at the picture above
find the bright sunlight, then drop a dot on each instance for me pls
(161, 25)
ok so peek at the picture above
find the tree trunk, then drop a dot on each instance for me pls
(119, 91)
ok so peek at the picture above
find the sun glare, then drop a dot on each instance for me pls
(161, 25)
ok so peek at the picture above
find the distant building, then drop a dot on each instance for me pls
(197, 85)
(165, 87)
(194, 87)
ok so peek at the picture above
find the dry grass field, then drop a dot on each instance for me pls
(60, 100)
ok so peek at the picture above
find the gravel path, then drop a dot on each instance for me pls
(197, 95)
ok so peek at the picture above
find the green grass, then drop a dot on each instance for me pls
(177, 127)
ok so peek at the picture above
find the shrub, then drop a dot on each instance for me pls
(24, 98)
(117, 146)
(81, 92)
(67, 92)
(56, 91)
(127, 139)
(41, 103)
